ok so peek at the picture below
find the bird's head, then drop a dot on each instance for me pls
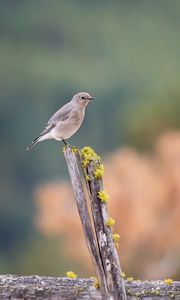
(82, 98)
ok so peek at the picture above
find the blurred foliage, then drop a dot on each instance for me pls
(144, 200)
(48, 256)
(156, 115)
(125, 53)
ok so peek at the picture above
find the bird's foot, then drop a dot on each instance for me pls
(75, 149)
(66, 143)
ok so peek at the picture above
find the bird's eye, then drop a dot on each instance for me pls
(82, 97)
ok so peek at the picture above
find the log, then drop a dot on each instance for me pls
(58, 288)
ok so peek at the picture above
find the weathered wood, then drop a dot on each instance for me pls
(56, 288)
(85, 219)
(106, 245)
(108, 259)
(37, 287)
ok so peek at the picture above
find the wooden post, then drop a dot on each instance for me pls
(85, 218)
(106, 245)
(101, 247)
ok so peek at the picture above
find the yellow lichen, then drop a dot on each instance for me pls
(116, 238)
(123, 275)
(130, 278)
(103, 196)
(87, 155)
(71, 274)
(168, 281)
(88, 178)
(96, 282)
(99, 172)
(110, 222)
(74, 149)
(138, 280)
(64, 149)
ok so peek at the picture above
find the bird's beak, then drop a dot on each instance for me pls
(90, 98)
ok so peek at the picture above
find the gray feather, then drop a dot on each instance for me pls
(33, 143)
(47, 129)
(62, 114)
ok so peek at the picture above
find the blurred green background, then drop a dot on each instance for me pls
(125, 53)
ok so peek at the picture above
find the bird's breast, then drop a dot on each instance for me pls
(65, 129)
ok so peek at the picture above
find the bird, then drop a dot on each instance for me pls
(66, 121)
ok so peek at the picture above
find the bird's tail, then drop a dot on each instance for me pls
(34, 142)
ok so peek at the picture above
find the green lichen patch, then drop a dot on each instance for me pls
(116, 238)
(71, 274)
(88, 178)
(96, 283)
(103, 196)
(110, 222)
(168, 281)
(74, 149)
(130, 279)
(88, 155)
(99, 172)
(123, 275)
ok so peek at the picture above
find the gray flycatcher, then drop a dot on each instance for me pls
(66, 121)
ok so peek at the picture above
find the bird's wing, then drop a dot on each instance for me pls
(47, 129)
(61, 115)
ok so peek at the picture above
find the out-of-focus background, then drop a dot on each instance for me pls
(126, 54)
